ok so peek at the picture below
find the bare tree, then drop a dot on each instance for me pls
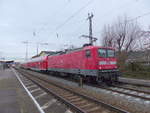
(121, 35)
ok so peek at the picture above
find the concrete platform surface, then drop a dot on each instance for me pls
(13, 98)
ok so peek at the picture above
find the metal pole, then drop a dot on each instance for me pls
(26, 54)
(80, 81)
(90, 16)
(27, 50)
(38, 45)
(37, 48)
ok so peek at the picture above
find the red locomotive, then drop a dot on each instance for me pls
(93, 63)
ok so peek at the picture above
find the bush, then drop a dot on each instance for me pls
(134, 66)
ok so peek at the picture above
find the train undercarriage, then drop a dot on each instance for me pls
(103, 76)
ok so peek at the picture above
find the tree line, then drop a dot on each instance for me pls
(125, 35)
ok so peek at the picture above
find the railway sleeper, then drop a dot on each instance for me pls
(72, 97)
(95, 108)
(88, 110)
(89, 105)
(67, 95)
(83, 102)
(75, 100)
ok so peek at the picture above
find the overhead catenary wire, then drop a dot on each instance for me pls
(69, 18)
(133, 19)
(129, 2)
(120, 7)
(73, 15)
(140, 16)
(82, 25)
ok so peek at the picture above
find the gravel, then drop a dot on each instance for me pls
(128, 103)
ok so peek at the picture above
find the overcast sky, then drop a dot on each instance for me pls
(20, 18)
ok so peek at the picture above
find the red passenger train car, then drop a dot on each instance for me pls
(37, 64)
(93, 63)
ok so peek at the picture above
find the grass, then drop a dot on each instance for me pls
(137, 74)
(136, 70)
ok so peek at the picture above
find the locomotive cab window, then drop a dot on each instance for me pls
(106, 53)
(88, 53)
(102, 52)
(111, 53)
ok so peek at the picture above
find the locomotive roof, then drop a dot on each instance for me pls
(40, 58)
(91, 47)
(77, 49)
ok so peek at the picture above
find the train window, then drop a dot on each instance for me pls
(111, 53)
(102, 52)
(88, 53)
(106, 53)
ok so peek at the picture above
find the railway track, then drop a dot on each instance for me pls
(130, 92)
(135, 84)
(42, 100)
(76, 101)
(132, 89)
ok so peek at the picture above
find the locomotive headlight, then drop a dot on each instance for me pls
(113, 62)
(102, 62)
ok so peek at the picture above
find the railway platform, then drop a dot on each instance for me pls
(13, 98)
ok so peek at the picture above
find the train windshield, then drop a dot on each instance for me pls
(102, 52)
(110, 53)
(106, 53)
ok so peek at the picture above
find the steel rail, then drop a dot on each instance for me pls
(108, 106)
(129, 94)
(126, 88)
(73, 107)
(133, 95)
(135, 84)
